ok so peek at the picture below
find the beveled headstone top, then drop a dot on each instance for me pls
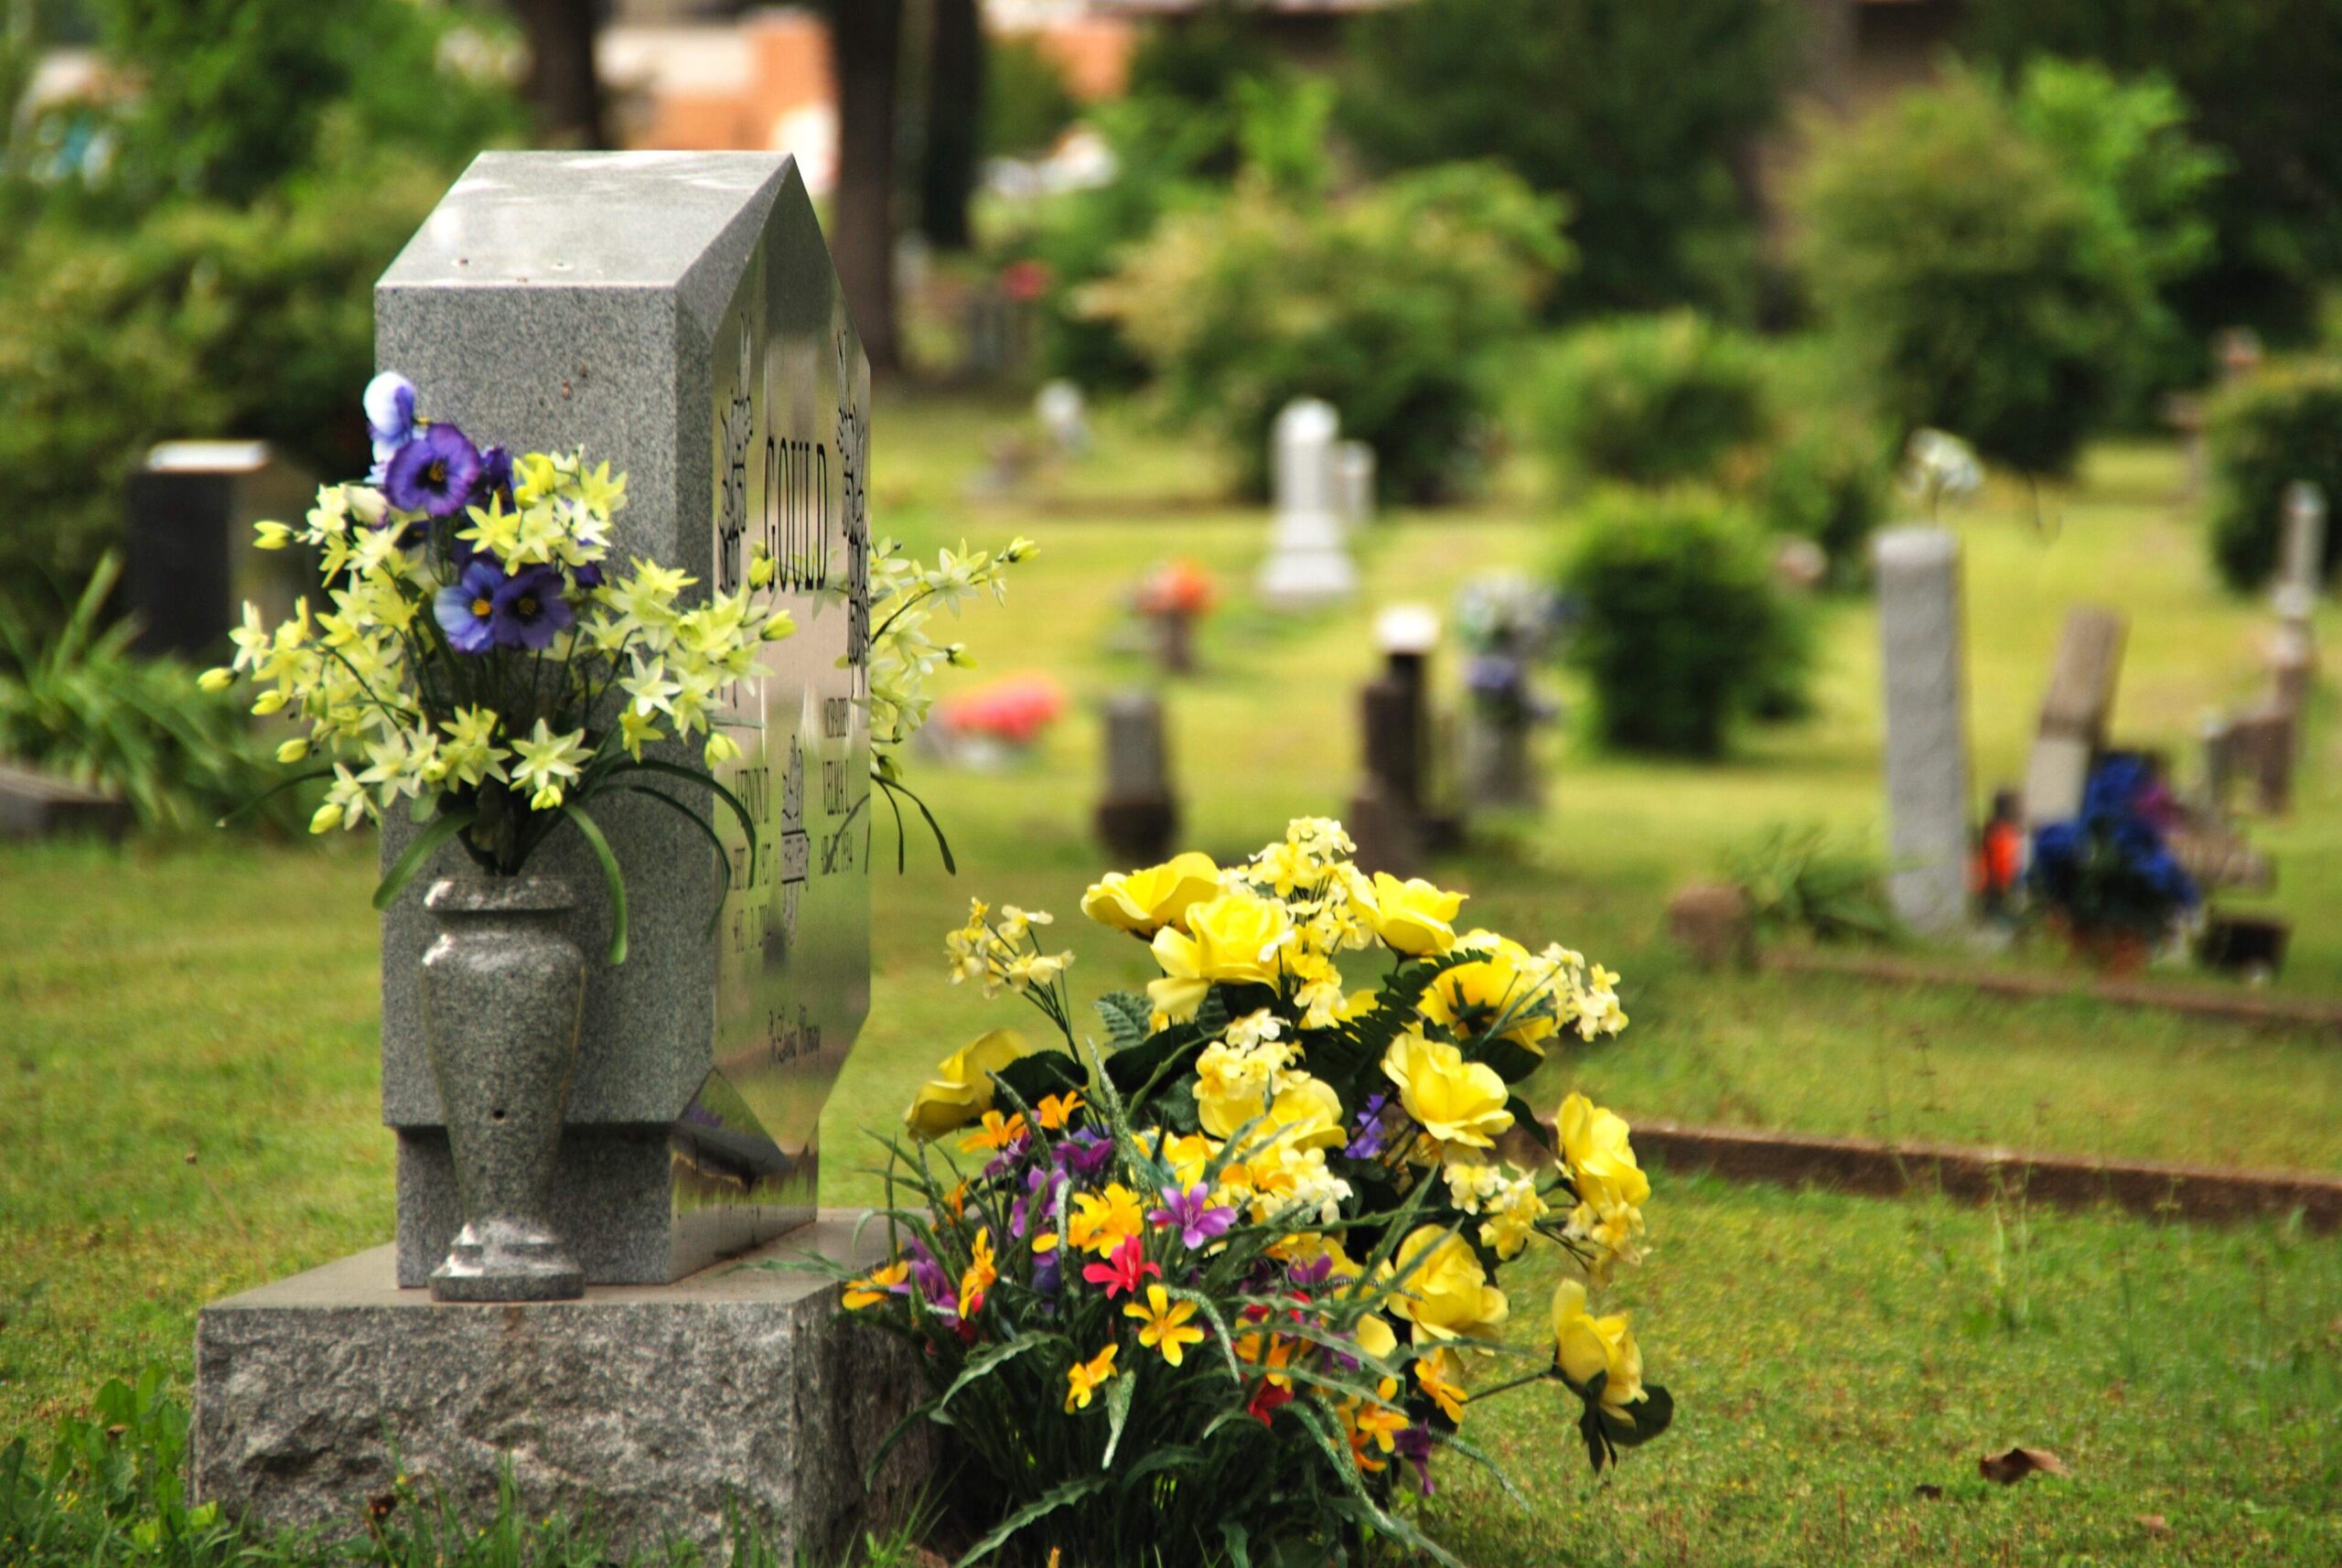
(677, 315)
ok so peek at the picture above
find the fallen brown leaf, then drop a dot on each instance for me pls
(2154, 1524)
(1928, 1490)
(2014, 1466)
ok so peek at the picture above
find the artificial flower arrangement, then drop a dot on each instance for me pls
(2107, 877)
(1507, 623)
(1216, 1286)
(1014, 711)
(1178, 588)
(484, 660)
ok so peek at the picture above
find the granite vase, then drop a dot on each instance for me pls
(503, 991)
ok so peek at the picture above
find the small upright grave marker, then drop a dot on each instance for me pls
(1139, 815)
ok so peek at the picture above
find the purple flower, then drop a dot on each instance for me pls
(1368, 1145)
(1311, 1274)
(433, 473)
(389, 402)
(529, 610)
(1084, 1154)
(1413, 1446)
(1198, 1222)
(466, 608)
(495, 475)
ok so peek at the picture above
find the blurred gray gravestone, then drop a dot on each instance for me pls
(1139, 815)
(1924, 661)
(2074, 713)
(2300, 562)
(1307, 565)
(1354, 483)
(677, 315)
(189, 560)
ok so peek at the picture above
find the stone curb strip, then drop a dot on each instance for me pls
(1894, 1170)
(2273, 1012)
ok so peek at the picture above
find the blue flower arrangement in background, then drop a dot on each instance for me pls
(2110, 871)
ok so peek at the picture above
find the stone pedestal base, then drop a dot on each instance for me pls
(650, 1406)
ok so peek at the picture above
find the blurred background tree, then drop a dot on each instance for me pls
(192, 252)
(2260, 76)
(1646, 117)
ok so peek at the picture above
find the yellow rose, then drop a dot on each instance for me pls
(1236, 938)
(1302, 1112)
(1585, 1345)
(1458, 1103)
(1448, 1296)
(961, 1091)
(1601, 1160)
(1374, 1337)
(1503, 985)
(1145, 901)
(1412, 917)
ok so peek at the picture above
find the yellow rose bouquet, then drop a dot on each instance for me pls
(1221, 1281)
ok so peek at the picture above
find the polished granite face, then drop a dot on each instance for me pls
(677, 315)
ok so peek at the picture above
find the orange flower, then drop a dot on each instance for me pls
(982, 1274)
(997, 1132)
(876, 1285)
(1056, 1110)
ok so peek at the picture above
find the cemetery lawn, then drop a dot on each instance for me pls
(188, 1092)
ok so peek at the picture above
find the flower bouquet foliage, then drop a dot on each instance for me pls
(482, 658)
(2109, 872)
(1218, 1285)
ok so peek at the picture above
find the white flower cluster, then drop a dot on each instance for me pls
(904, 594)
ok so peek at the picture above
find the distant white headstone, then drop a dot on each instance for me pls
(1064, 417)
(1307, 565)
(1354, 482)
(1927, 726)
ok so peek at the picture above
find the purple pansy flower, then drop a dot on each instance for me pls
(434, 473)
(466, 607)
(1192, 1213)
(495, 475)
(529, 610)
(389, 402)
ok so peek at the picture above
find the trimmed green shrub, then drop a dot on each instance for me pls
(1679, 630)
(1826, 480)
(2281, 425)
(1640, 114)
(1983, 288)
(1650, 400)
(1394, 305)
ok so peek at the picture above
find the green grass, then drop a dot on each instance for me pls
(218, 1001)
(1830, 1355)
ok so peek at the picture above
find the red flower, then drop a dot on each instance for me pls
(1266, 1400)
(1124, 1270)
